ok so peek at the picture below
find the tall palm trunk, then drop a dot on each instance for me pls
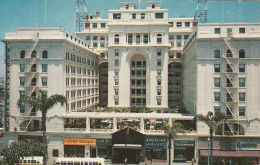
(44, 135)
(169, 148)
(211, 146)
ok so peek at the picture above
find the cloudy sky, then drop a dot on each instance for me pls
(28, 13)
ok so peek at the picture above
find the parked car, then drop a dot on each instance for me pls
(1, 132)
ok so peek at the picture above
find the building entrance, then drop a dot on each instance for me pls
(131, 155)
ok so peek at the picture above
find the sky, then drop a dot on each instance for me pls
(61, 13)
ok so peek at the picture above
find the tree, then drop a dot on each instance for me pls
(212, 122)
(171, 133)
(17, 150)
(43, 103)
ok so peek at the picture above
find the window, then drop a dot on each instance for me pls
(229, 53)
(242, 82)
(158, 62)
(159, 52)
(95, 45)
(242, 30)
(86, 25)
(242, 111)
(33, 55)
(242, 68)
(22, 81)
(117, 16)
(130, 38)
(22, 54)
(178, 55)
(116, 101)
(87, 38)
(158, 101)
(95, 37)
(187, 24)
(216, 96)
(178, 44)
(153, 6)
(217, 30)
(116, 91)
(94, 25)
(133, 15)
(138, 38)
(158, 15)
(44, 67)
(22, 93)
(103, 25)
(171, 24)
(217, 53)
(159, 82)
(22, 109)
(116, 62)
(217, 67)
(186, 37)
(116, 72)
(178, 37)
(116, 39)
(145, 38)
(159, 38)
(45, 54)
(55, 153)
(22, 67)
(44, 81)
(102, 37)
(142, 15)
(102, 44)
(171, 37)
(158, 91)
(241, 53)
(171, 55)
(158, 72)
(217, 82)
(116, 82)
(179, 24)
(242, 96)
(217, 110)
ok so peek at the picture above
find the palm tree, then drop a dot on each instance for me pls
(212, 122)
(171, 133)
(43, 103)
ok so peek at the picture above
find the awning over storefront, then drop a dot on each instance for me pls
(218, 153)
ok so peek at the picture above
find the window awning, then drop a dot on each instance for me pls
(133, 146)
(218, 153)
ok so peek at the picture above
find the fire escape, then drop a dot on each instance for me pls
(31, 85)
(231, 86)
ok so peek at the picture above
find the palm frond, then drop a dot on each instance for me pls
(32, 101)
(54, 99)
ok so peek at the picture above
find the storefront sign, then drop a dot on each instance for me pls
(79, 142)
(104, 142)
(155, 142)
(184, 143)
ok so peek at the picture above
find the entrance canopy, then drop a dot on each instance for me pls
(218, 153)
(128, 136)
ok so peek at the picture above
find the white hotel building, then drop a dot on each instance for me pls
(139, 57)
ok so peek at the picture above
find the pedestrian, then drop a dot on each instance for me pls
(255, 163)
(125, 160)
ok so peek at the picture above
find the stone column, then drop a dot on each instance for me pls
(87, 124)
(142, 124)
(114, 124)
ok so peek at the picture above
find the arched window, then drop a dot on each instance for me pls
(217, 53)
(22, 54)
(159, 38)
(130, 38)
(33, 55)
(145, 38)
(116, 39)
(45, 54)
(241, 53)
(229, 53)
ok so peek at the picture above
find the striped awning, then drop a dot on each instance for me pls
(241, 153)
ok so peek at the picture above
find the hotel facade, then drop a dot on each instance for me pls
(138, 58)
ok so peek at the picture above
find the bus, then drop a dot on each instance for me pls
(80, 161)
(31, 160)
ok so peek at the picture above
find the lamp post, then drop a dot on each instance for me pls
(208, 150)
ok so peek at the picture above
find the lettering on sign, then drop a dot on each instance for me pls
(80, 142)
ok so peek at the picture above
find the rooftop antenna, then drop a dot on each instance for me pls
(45, 5)
(81, 11)
(201, 11)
